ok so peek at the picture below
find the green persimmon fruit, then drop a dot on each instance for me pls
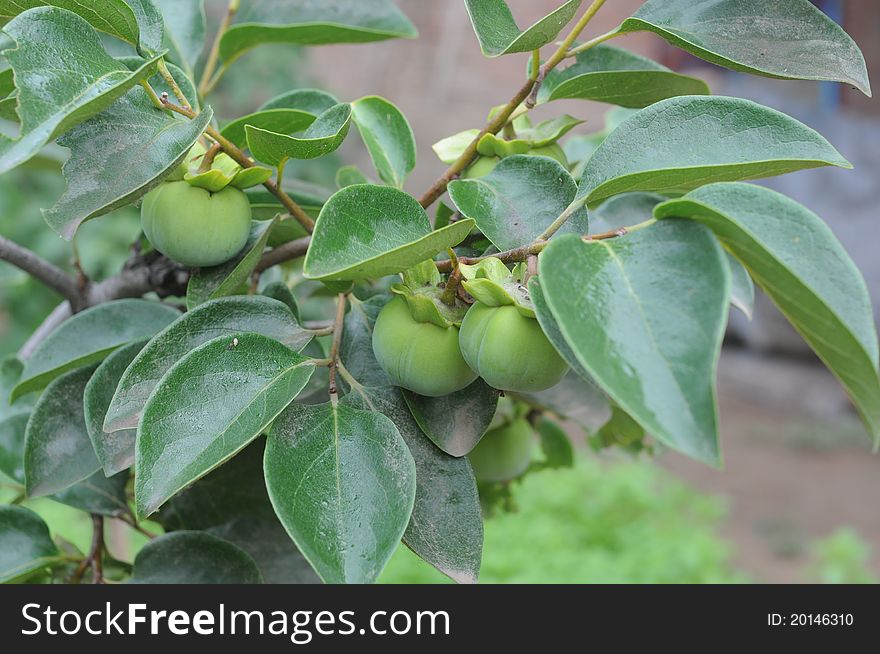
(480, 168)
(419, 356)
(503, 453)
(509, 350)
(195, 227)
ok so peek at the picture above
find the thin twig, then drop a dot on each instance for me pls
(169, 79)
(285, 252)
(583, 47)
(341, 302)
(46, 272)
(208, 80)
(95, 558)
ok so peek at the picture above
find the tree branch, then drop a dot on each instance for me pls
(286, 252)
(48, 273)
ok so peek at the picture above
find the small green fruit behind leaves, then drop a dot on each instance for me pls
(645, 327)
(207, 407)
(788, 39)
(498, 33)
(800, 264)
(344, 499)
(388, 137)
(216, 318)
(89, 336)
(193, 557)
(678, 144)
(503, 453)
(25, 544)
(367, 231)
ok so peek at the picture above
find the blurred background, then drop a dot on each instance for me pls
(796, 501)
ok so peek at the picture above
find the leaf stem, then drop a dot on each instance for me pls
(341, 301)
(169, 79)
(454, 281)
(555, 226)
(151, 93)
(583, 47)
(209, 80)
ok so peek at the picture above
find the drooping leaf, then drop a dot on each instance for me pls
(119, 156)
(742, 288)
(796, 259)
(113, 17)
(225, 316)
(388, 137)
(232, 503)
(98, 494)
(57, 449)
(613, 75)
(207, 407)
(89, 336)
(518, 200)
(25, 543)
(322, 137)
(499, 34)
(788, 39)
(229, 278)
(682, 143)
(278, 121)
(184, 31)
(644, 315)
(115, 450)
(314, 23)
(368, 231)
(53, 99)
(193, 557)
(455, 423)
(342, 482)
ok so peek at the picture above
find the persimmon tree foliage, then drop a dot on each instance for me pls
(543, 275)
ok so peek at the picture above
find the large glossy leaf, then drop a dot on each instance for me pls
(98, 494)
(314, 23)
(225, 316)
(789, 39)
(456, 422)
(89, 336)
(25, 543)
(800, 264)
(229, 278)
(207, 407)
(645, 315)
(115, 450)
(53, 99)
(193, 557)
(518, 200)
(388, 137)
(372, 231)
(613, 75)
(499, 34)
(113, 17)
(342, 481)
(57, 449)
(679, 144)
(322, 137)
(184, 31)
(232, 503)
(118, 156)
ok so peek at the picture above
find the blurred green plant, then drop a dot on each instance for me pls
(842, 558)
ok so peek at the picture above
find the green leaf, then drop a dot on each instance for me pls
(10, 374)
(229, 278)
(448, 150)
(613, 75)
(557, 448)
(98, 494)
(343, 483)
(620, 431)
(279, 121)
(499, 34)
(226, 316)
(89, 336)
(679, 144)
(796, 259)
(52, 100)
(314, 23)
(193, 557)
(150, 25)
(388, 137)
(623, 211)
(787, 39)
(25, 543)
(645, 315)
(207, 407)
(349, 176)
(232, 503)
(115, 450)
(12, 430)
(742, 288)
(7, 82)
(455, 423)
(518, 200)
(119, 156)
(574, 399)
(372, 231)
(184, 31)
(446, 526)
(281, 292)
(57, 449)
(112, 17)
(322, 137)
(552, 331)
